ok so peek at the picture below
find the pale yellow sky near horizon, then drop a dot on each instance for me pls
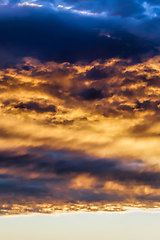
(138, 225)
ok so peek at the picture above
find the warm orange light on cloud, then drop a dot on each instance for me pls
(106, 110)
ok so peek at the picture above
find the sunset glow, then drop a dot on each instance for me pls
(79, 116)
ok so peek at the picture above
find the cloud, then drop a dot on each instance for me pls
(96, 74)
(79, 106)
(91, 94)
(42, 33)
(74, 136)
(123, 9)
(36, 107)
(28, 4)
(64, 177)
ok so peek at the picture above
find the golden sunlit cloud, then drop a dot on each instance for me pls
(79, 137)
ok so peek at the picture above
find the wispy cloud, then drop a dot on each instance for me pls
(29, 4)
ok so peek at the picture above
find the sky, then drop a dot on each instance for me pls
(80, 111)
(82, 226)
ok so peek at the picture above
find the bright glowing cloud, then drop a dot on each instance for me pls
(29, 4)
(83, 12)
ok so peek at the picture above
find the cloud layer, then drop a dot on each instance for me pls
(79, 105)
(79, 136)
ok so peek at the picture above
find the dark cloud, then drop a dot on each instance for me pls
(68, 165)
(90, 196)
(154, 81)
(91, 94)
(44, 176)
(148, 105)
(96, 74)
(44, 34)
(22, 188)
(36, 107)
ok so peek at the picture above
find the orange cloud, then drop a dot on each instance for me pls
(104, 111)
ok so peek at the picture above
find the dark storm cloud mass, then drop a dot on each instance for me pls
(43, 33)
